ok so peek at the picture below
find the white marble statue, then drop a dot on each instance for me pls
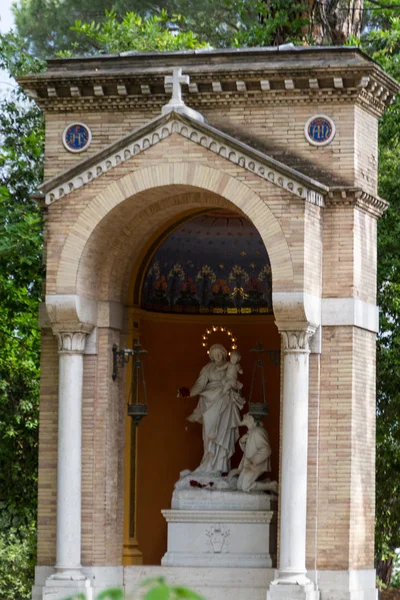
(232, 370)
(256, 458)
(218, 409)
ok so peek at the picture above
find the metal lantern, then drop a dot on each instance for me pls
(259, 410)
(137, 400)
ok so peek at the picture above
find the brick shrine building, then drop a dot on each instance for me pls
(266, 165)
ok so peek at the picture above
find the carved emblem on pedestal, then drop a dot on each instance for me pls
(218, 538)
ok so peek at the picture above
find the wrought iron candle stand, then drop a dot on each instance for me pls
(136, 409)
(259, 410)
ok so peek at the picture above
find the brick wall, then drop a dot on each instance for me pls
(341, 409)
(48, 419)
(346, 449)
(63, 215)
(277, 129)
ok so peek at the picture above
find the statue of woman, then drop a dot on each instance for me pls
(218, 410)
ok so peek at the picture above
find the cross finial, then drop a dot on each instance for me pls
(177, 79)
(176, 104)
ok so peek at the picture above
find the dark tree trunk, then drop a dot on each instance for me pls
(384, 570)
(329, 21)
(333, 21)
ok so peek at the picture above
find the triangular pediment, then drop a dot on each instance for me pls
(212, 139)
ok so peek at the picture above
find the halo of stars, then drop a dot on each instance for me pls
(215, 329)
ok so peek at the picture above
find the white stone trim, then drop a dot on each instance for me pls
(230, 561)
(295, 309)
(62, 307)
(70, 312)
(222, 516)
(110, 314)
(346, 585)
(216, 583)
(350, 311)
(296, 340)
(71, 342)
(221, 583)
(208, 141)
(91, 342)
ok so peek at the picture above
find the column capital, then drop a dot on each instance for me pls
(297, 340)
(71, 342)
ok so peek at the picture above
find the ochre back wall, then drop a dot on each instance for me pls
(167, 443)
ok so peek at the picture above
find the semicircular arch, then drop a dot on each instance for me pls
(176, 178)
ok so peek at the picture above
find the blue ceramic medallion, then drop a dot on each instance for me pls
(77, 137)
(319, 130)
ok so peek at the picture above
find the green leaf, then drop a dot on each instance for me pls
(183, 592)
(160, 592)
(111, 594)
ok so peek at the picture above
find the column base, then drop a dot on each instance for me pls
(96, 579)
(68, 575)
(288, 591)
(59, 589)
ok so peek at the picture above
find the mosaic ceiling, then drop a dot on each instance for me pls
(215, 263)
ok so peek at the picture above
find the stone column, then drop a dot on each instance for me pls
(69, 466)
(292, 580)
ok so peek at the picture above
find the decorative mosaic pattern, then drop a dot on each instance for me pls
(213, 264)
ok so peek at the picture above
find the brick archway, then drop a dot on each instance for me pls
(142, 188)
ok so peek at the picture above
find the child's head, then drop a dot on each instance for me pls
(235, 357)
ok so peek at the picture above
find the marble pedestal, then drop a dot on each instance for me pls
(215, 528)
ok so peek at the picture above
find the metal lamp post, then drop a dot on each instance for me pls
(137, 400)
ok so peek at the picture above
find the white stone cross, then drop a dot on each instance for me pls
(176, 104)
(177, 79)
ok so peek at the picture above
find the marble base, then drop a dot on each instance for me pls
(211, 500)
(221, 583)
(358, 584)
(59, 589)
(292, 592)
(221, 528)
(212, 584)
(96, 580)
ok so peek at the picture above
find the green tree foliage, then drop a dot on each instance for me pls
(17, 563)
(21, 134)
(135, 33)
(21, 155)
(149, 589)
(277, 22)
(48, 25)
(382, 41)
(21, 158)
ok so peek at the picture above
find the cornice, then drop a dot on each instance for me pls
(202, 134)
(210, 86)
(356, 197)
